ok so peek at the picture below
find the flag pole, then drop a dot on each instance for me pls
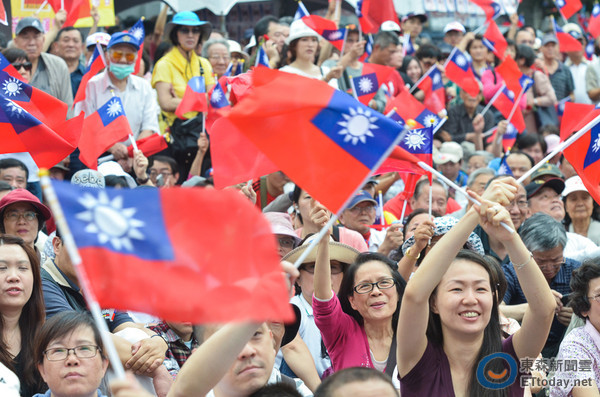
(382, 219)
(450, 57)
(488, 132)
(457, 188)
(414, 87)
(71, 248)
(403, 210)
(516, 104)
(344, 43)
(485, 25)
(353, 88)
(491, 102)
(562, 146)
(133, 143)
(430, 196)
(41, 7)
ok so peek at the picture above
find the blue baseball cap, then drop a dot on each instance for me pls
(123, 38)
(189, 18)
(360, 197)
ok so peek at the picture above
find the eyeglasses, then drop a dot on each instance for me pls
(596, 298)
(154, 173)
(14, 216)
(335, 268)
(367, 210)
(549, 264)
(186, 30)
(519, 203)
(365, 288)
(61, 353)
(116, 56)
(26, 65)
(285, 242)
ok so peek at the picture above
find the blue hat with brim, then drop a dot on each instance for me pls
(189, 18)
(123, 38)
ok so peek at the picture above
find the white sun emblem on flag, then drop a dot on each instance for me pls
(137, 33)
(436, 78)
(431, 121)
(12, 87)
(365, 85)
(461, 60)
(114, 108)
(510, 94)
(357, 125)
(415, 139)
(15, 109)
(216, 96)
(596, 146)
(596, 10)
(335, 35)
(110, 221)
(560, 3)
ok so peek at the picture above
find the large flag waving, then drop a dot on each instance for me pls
(182, 262)
(75, 9)
(514, 79)
(491, 8)
(504, 103)
(584, 156)
(337, 140)
(566, 42)
(568, 8)
(460, 71)
(494, 40)
(102, 129)
(594, 22)
(326, 29)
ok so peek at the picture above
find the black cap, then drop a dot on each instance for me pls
(556, 184)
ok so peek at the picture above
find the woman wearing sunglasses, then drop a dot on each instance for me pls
(173, 71)
(18, 58)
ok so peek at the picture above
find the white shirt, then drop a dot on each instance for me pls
(139, 103)
(578, 72)
(580, 248)
(276, 378)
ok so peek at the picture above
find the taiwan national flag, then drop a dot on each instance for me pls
(504, 103)
(326, 29)
(589, 49)
(365, 87)
(368, 49)
(262, 59)
(75, 9)
(566, 42)
(508, 139)
(301, 12)
(459, 70)
(96, 64)
(194, 99)
(407, 47)
(3, 19)
(418, 142)
(22, 132)
(149, 145)
(102, 129)
(159, 251)
(367, 25)
(494, 40)
(7, 67)
(583, 155)
(504, 169)
(139, 33)
(568, 8)
(408, 108)
(337, 140)
(433, 87)
(234, 70)
(489, 7)
(575, 117)
(560, 108)
(594, 23)
(218, 100)
(513, 78)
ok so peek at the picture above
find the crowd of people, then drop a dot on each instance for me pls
(409, 293)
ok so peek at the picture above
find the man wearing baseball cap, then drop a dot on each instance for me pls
(135, 92)
(49, 72)
(560, 76)
(413, 23)
(453, 33)
(360, 215)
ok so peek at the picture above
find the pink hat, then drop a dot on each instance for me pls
(281, 223)
(24, 196)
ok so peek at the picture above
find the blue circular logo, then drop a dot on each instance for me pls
(492, 380)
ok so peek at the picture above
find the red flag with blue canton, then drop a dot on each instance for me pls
(22, 132)
(504, 103)
(149, 145)
(301, 11)
(159, 251)
(568, 8)
(102, 129)
(509, 138)
(408, 107)
(589, 48)
(494, 40)
(218, 101)
(575, 117)
(491, 8)
(234, 71)
(513, 78)
(194, 98)
(407, 47)
(262, 59)
(583, 155)
(367, 25)
(337, 140)
(594, 22)
(3, 19)
(566, 42)
(432, 86)
(137, 31)
(459, 71)
(96, 64)
(365, 87)
(401, 161)
(75, 9)
(42, 106)
(504, 169)
(326, 29)
(418, 142)
(9, 68)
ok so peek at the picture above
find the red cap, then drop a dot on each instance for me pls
(24, 196)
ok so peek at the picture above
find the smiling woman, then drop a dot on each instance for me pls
(70, 356)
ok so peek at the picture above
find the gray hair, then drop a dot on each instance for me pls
(423, 182)
(480, 171)
(541, 232)
(487, 156)
(210, 42)
(384, 39)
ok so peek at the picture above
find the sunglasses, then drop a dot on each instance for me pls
(118, 55)
(185, 30)
(26, 65)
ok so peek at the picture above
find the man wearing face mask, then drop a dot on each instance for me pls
(136, 94)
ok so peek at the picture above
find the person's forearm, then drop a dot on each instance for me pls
(297, 356)
(594, 94)
(207, 365)
(49, 37)
(197, 163)
(159, 27)
(322, 276)
(514, 311)
(325, 53)
(406, 266)
(386, 181)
